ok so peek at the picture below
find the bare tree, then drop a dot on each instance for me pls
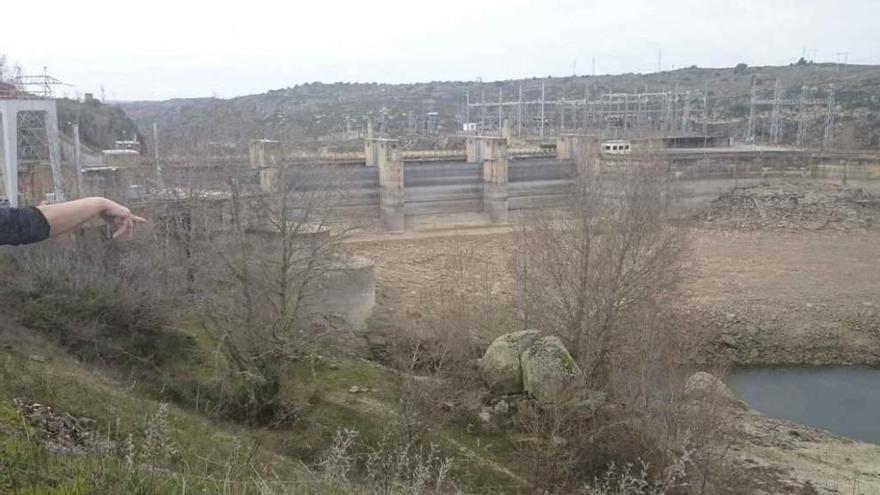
(277, 243)
(582, 269)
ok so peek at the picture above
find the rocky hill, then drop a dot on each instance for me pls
(323, 114)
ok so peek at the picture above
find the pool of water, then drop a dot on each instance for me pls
(844, 400)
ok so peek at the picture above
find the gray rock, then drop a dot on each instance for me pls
(591, 402)
(502, 407)
(500, 365)
(548, 369)
(706, 386)
(729, 340)
(558, 442)
(485, 416)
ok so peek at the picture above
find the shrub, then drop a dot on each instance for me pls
(100, 312)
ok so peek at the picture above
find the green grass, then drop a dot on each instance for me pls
(209, 451)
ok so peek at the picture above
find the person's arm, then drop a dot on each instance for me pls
(22, 226)
(63, 217)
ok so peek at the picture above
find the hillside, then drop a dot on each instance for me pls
(334, 113)
(99, 124)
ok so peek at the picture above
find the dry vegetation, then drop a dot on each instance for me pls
(211, 323)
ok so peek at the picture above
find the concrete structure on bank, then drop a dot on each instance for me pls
(492, 152)
(264, 153)
(9, 113)
(392, 195)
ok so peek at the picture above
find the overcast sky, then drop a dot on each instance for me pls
(181, 48)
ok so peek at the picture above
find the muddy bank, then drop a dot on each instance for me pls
(805, 334)
(793, 458)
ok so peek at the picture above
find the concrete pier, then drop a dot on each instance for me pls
(264, 156)
(371, 152)
(392, 195)
(264, 153)
(492, 152)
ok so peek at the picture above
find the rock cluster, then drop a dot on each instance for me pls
(794, 206)
(526, 362)
(61, 432)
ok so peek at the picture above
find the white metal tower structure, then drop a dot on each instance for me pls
(29, 129)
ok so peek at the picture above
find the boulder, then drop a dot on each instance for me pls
(590, 401)
(702, 385)
(548, 369)
(500, 365)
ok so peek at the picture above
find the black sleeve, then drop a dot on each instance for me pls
(22, 225)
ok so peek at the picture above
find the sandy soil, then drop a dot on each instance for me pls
(766, 297)
(801, 457)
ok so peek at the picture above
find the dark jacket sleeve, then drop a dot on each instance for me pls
(22, 225)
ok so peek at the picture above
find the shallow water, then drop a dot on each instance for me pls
(843, 400)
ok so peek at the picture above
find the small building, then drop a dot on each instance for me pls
(121, 158)
(127, 144)
(617, 147)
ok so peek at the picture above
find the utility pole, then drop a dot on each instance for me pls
(156, 155)
(750, 134)
(500, 112)
(828, 140)
(842, 59)
(686, 111)
(802, 118)
(562, 115)
(705, 114)
(542, 109)
(775, 115)
(519, 114)
(467, 107)
(77, 161)
(482, 108)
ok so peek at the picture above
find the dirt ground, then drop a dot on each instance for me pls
(766, 297)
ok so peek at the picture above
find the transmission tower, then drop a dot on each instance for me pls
(750, 134)
(828, 140)
(775, 115)
(803, 121)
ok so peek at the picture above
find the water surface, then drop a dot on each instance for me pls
(843, 400)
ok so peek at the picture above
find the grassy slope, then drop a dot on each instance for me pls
(210, 452)
(212, 455)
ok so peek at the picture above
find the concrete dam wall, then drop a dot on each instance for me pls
(389, 189)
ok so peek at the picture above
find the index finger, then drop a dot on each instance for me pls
(135, 218)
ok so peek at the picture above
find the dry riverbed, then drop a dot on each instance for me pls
(774, 296)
